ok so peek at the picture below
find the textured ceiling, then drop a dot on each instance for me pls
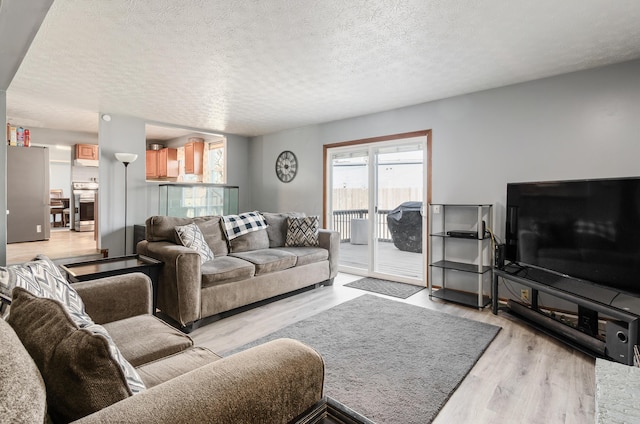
(254, 67)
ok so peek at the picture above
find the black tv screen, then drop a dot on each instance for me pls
(585, 229)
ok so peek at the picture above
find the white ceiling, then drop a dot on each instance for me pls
(254, 67)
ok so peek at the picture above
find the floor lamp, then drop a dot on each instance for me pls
(126, 159)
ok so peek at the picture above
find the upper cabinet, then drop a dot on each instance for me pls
(193, 153)
(189, 157)
(162, 163)
(152, 163)
(87, 151)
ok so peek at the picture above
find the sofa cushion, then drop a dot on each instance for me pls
(78, 367)
(307, 255)
(268, 260)
(190, 236)
(237, 225)
(251, 241)
(23, 396)
(225, 269)
(211, 228)
(145, 338)
(162, 228)
(302, 231)
(277, 226)
(164, 369)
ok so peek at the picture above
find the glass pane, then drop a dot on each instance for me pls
(399, 221)
(350, 204)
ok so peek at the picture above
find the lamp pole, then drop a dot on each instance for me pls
(126, 159)
(126, 196)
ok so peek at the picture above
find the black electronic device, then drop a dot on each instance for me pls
(473, 234)
(618, 345)
(463, 234)
(585, 229)
(499, 256)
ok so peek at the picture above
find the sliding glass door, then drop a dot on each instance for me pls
(376, 199)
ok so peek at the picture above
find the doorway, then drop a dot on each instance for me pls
(62, 239)
(376, 192)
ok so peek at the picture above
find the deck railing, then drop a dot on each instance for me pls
(342, 223)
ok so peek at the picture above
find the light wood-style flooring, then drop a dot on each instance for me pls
(61, 244)
(523, 377)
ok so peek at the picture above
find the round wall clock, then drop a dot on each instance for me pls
(286, 166)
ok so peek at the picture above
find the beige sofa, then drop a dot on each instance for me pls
(52, 370)
(247, 269)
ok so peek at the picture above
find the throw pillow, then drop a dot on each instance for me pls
(5, 291)
(190, 236)
(237, 225)
(77, 365)
(277, 226)
(42, 278)
(302, 231)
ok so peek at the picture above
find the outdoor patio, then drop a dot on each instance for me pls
(390, 259)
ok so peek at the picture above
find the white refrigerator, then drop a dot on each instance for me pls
(28, 195)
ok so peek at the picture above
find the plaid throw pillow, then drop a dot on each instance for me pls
(190, 236)
(302, 231)
(237, 225)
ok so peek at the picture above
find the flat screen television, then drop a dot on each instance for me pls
(584, 229)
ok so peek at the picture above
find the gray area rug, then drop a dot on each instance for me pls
(390, 361)
(390, 288)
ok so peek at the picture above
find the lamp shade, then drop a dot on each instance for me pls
(126, 157)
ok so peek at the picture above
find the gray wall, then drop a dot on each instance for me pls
(61, 160)
(127, 134)
(579, 125)
(3, 184)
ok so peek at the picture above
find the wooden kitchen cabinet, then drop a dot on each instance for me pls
(168, 162)
(152, 163)
(193, 153)
(162, 163)
(87, 151)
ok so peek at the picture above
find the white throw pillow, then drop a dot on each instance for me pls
(190, 236)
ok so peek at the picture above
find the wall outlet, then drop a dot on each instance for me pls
(38, 228)
(524, 295)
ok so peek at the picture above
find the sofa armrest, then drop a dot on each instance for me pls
(330, 240)
(114, 298)
(180, 279)
(273, 383)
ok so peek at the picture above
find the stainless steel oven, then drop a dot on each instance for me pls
(82, 205)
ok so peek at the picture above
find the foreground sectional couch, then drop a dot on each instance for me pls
(249, 268)
(92, 352)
